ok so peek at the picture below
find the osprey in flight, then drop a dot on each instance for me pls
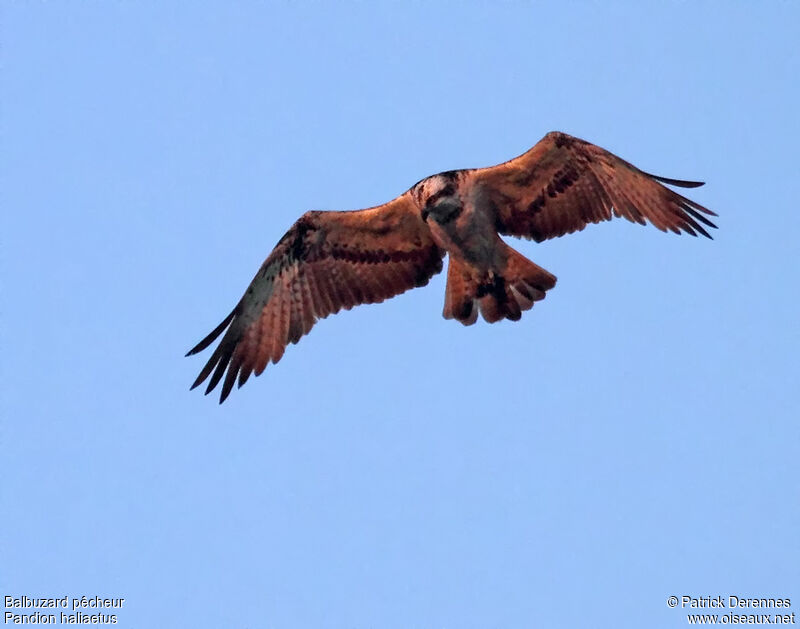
(333, 260)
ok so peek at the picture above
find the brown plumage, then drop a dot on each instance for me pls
(329, 261)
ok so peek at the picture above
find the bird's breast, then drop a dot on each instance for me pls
(470, 236)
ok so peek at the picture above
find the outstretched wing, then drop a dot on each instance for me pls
(563, 183)
(327, 261)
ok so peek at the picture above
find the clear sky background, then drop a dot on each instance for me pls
(635, 436)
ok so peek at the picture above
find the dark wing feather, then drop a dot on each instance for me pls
(326, 262)
(564, 183)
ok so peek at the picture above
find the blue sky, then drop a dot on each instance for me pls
(635, 436)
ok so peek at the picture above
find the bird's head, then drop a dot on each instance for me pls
(438, 197)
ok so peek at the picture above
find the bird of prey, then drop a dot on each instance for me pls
(330, 261)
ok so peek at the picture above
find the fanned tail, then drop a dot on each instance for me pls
(502, 294)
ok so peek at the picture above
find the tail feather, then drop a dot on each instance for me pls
(502, 294)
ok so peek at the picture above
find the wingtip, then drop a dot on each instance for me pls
(198, 381)
(680, 183)
(208, 340)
